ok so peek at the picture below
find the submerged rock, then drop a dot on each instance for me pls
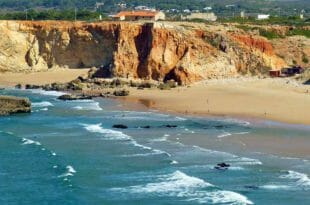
(120, 126)
(171, 126)
(68, 97)
(11, 105)
(222, 166)
(146, 127)
(251, 187)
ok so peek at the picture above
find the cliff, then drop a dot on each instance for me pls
(159, 51)
(10, 105)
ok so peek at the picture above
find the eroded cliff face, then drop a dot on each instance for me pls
(160, 51)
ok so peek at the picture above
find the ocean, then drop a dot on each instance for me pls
(69, 153)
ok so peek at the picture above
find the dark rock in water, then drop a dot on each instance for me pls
(18, 86)
(68, 97)
(29, 86)
(171, 126)
(222, 166)
(219, 126)
(251, 187)
(121, 92)
(120, 126)
(10, 105)
(146, 127)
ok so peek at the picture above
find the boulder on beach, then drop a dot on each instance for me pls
(11, 105)
(121, 92)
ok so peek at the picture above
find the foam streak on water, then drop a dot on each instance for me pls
(28, 142)
(50, 93)
(42, 104)
(118, 135)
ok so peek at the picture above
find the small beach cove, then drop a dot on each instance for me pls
(74, 146)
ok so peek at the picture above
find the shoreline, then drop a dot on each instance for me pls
(252, 99)
(276, 99)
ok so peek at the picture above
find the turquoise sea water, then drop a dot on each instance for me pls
(68, 153)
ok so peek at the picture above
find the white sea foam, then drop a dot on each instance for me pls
(28, 142)
(90, 105)
(241, 133)
(70, 171)
(223, 197)
(109, 134)
(300, 179)
(117, 135)
(44, 109)
(245, 161)
(179, 184)
(275, 187)
(236, 121)
(174, 162)
(51, 93)
(224, 134)
(42, 104)
(161, 139)
(148, 116)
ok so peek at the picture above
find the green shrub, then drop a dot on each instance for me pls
(299, 32)
(269, 34)
(305, 59)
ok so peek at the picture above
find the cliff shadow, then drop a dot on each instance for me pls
(143, 43)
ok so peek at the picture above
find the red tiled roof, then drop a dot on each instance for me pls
(137, 13)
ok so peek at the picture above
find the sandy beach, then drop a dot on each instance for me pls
(283, 100)
(40, 78)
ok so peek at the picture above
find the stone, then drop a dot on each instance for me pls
(120, 126)
(222, 166)
(11, 105)
(146, 127)
(69, 97)
(18, 86)
(121, 92)
(171, 126)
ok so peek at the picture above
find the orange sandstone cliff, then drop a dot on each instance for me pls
(159, 51)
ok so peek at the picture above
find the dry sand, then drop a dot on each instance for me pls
(41, 78)
(275, 99)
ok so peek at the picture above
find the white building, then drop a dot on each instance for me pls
(263, 16)
(139, 15)
(203, 16)
(208, 8)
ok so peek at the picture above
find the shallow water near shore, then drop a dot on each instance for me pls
(68, 153)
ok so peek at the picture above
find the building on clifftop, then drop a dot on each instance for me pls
(139, 15)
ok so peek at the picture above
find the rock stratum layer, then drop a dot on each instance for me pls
(161, 51)
(10, 105)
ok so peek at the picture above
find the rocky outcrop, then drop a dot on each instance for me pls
(10, 105)
(159, 51)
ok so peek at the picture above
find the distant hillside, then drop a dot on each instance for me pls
(219, 6)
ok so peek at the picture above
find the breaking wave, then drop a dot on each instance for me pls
(189, 188)
(44, 92)
(42, 104)
(26, 141)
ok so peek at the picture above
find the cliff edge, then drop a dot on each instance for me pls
(184, 52)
